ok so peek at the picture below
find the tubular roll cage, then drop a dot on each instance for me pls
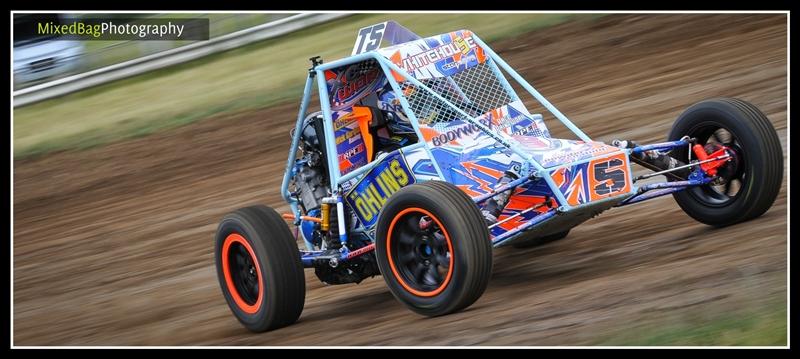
(637, 194)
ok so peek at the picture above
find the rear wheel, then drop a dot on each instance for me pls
(433, 248)
(259, 268)
(749, 183)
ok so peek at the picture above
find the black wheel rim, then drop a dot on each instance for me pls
(420, 252)
(732, 175)
(243, 273)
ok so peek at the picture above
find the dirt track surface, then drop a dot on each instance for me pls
(113, 245)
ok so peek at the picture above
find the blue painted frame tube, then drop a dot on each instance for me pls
(358, 171)
(307, 260)
(506, 187)
(412, 117)
(652, 186)
(346, 61)
(340, 219)
(535, 221)
(289, 173)
(501, 138)
(336, 176)
(549, 106)
(650, 195)
(327, 124)
(333, 165)
(387, 66)
(659, 146)
(307, 257)
(654, 190)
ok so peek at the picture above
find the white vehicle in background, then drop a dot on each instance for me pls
(41, 57)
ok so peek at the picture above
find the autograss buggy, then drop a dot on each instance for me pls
(423, 157)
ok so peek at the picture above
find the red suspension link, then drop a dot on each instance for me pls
(710, 167)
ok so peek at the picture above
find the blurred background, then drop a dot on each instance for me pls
(127, 154)
(44, 58)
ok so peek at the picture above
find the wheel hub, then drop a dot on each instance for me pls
(423, 248)
(246, 281)
(729, 173)
(421, 252)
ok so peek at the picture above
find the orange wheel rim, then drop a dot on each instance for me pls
(402, 273)
(238, 279)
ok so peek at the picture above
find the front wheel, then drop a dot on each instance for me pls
(433, 248)
(747, 185)
(259, 268)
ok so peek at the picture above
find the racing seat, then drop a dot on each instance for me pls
(369, 120)
(360, 137)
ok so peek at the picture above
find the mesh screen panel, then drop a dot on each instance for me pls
(475, 91)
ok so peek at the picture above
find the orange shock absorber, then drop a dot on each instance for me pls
(325, 224)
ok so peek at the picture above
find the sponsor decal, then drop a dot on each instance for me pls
(459, 45)
(530, 130)
(594, 180)
(575, 192)
(508, 121)
(358, 148)
(348, 136)
(350, 148)
(393, 106)
(344, 90)
(369, 38)
(504, 119)
(609, 177)
(479, 178)
(342, 122)
(452, 136)
(570, 181)
(370, 195)
(514, 122)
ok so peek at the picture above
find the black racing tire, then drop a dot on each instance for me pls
(452, 257)
(758, 161)
(259, 268)
(536, 242)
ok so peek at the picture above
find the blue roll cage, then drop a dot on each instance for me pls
(316, 73)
